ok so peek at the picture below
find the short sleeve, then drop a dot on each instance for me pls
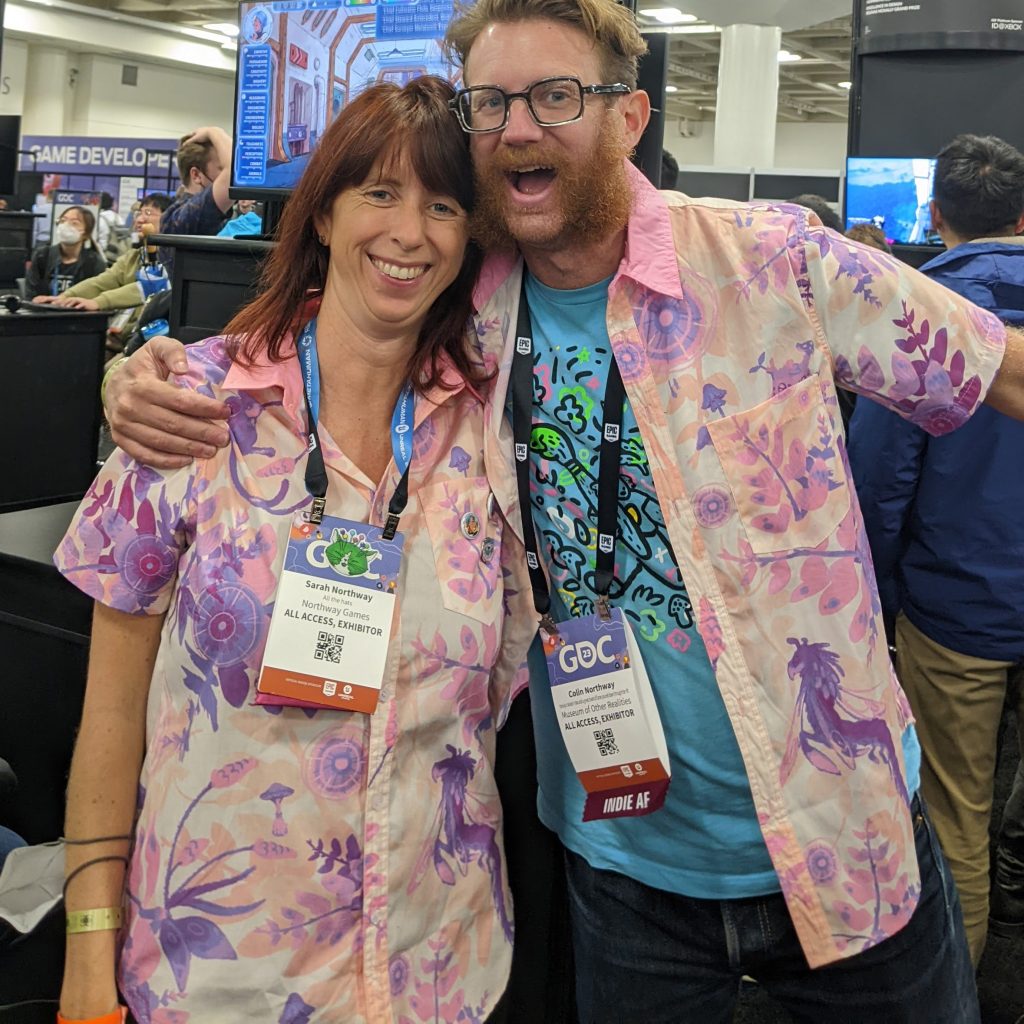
(127, 537)
(126, 540)
(896, 336)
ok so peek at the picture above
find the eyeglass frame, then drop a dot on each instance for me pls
(454, 104)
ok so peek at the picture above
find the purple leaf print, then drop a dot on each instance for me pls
(296, 1011)
(956, 368)
(205, 940)
(206, 907)
(234, 684)
(871, 376)
(178, 956)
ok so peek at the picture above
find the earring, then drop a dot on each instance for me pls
(323, 239)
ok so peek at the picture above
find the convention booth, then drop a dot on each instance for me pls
(920, 75)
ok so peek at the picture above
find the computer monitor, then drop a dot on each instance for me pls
(892, 193)
(301, 61)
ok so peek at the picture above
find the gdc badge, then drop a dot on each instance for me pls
(331, 627)
(608, 717)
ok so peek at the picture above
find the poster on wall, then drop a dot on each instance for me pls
(887, 25)
(98, 164)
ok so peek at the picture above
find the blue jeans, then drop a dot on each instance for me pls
(643, 955)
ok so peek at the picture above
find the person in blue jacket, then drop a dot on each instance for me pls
(945, 518)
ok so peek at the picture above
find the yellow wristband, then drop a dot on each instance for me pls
(110, 371)
(99, 919)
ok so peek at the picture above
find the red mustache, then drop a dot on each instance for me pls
(506, 161)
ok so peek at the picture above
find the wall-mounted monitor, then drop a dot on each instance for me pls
(301, 61)
(893, 193)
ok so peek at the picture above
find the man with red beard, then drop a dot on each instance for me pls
(746, 804)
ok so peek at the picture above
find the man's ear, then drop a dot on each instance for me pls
(636, 112)
(1019, 229)
(938, 223)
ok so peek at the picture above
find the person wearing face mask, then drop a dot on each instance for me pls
(119, 285)
(73, 258)
(204, 163)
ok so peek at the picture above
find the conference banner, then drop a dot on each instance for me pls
(898, 25)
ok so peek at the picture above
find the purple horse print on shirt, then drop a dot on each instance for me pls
(830, 731)
(461, 838)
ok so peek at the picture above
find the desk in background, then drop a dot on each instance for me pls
(49, 405)
(212, 279)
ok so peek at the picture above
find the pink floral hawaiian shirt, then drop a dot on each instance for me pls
(294, 865)
(732, 326)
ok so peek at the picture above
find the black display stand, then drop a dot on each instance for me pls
(212, 279)
(44, 636)
(50, 415)
(17, 229)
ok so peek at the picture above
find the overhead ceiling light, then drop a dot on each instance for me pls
(785, 57)
(671, 88)
(845, 85)
(683, 30)
(668, 15)
(224, 28)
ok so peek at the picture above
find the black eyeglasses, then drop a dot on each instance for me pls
(551, 102)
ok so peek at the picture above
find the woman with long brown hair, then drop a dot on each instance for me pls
(303, 645)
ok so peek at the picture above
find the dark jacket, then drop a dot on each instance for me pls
(47, 275)
(945, 516)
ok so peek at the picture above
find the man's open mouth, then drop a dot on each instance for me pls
(531, 180)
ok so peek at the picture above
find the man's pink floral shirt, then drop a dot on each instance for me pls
(732, 326)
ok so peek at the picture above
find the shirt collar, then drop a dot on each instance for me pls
(649, 258)
(287, 375)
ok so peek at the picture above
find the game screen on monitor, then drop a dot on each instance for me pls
(892, 193)
(301, 61)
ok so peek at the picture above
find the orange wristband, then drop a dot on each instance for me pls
(117, 1016)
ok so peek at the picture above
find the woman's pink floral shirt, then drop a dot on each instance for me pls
(291, 865)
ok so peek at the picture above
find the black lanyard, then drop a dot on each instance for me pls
(316, 471)
(608, 474)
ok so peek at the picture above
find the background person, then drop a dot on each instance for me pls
(73, 257)
(943, 515)
(291, 864)
(869, 234)
(820, 205)
(118, 286)
(203, 203)
(107, 221)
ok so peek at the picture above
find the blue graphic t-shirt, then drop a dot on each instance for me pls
(705, 841)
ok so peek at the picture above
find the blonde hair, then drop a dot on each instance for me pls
(609, 25)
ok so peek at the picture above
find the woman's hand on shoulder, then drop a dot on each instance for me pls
(154, 420)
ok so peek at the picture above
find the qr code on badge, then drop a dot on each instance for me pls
(606, 745)
(328, 647)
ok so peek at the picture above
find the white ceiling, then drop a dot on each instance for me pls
(808, 88)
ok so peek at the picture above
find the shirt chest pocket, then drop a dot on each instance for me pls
(466, 540)
(784, 467)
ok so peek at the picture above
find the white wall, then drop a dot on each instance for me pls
(814, 146)
(13, 63)
(167, 102)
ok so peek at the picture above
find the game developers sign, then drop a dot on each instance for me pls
(895, 25)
